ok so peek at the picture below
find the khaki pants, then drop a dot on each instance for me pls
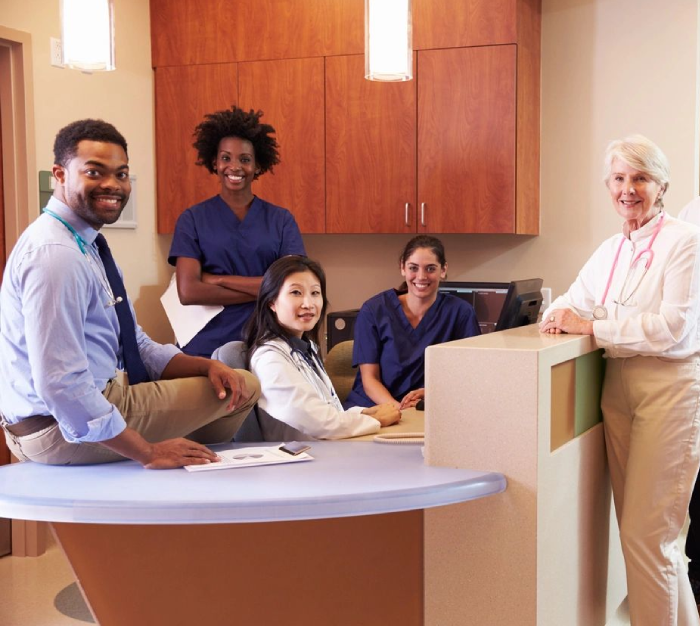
(184, 407)
(651, 417)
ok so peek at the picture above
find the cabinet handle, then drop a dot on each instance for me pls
(422, 213)
(405, 217)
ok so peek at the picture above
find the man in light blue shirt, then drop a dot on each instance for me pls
(64, 397)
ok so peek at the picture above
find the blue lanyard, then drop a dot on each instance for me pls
(79, 240)
(84, 245)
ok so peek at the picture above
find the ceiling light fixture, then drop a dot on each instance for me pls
(388, 40)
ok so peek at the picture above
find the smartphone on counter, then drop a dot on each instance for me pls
(295, 448)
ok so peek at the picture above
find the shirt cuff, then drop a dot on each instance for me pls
(99, 428)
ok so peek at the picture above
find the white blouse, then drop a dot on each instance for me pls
(651, 312)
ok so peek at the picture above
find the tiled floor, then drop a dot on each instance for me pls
(33, 590)
(41, 592)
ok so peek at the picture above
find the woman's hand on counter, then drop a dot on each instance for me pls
(412, 398)
(386, 414)
(566, 321)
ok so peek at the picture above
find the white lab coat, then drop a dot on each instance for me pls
(297, 403)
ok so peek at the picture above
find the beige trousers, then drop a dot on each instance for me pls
(184, 407)
(652, 424)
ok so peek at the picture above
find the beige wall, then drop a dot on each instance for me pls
(609, 67)
(124, 98)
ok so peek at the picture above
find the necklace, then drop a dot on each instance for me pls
(90, 254)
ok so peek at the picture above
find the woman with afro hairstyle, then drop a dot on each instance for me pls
(222, 247)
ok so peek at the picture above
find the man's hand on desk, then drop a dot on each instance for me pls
(174, 453)
(386, 414)
(168, 454)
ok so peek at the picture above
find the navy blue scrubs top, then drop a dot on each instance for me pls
(211, 233)
(383, 335)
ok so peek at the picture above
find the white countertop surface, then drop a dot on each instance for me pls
(344, 479)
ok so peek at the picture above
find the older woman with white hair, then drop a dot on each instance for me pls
(638, 296)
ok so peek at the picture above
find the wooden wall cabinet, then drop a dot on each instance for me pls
(290, 93)
(189, 32)
(370, 151)
(466, 140)
(439, 161)
(183, 96)
(454, 151)
(460, 24)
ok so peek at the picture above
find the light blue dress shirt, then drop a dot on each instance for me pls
(59, 339)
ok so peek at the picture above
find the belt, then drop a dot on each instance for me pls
(30, 425)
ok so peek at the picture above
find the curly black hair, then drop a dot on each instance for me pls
(66, 143)
(236, 123)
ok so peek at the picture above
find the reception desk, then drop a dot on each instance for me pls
(546, 552)
(337, 540)
(370, 533)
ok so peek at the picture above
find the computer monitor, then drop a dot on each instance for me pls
(486, 298)
(522, 304)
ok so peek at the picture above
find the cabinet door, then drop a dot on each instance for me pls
(186, 32)
(462, 23)
(183, 96)
(466, 140)
(370, 151)
(290, 93)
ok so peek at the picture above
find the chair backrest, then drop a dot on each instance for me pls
(339, 367)
(233, 354)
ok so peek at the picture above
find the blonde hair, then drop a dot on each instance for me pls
(642, 154)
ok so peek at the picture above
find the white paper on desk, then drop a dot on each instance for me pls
(248, 457)
(186, 319)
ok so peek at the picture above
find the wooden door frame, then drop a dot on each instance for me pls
(20, 191)
(18, 141)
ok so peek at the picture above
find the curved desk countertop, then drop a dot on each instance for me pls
(344, 479)
(321, 540)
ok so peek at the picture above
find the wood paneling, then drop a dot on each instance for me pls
(466, 139)
(344, 571)
(370, 151)
(470, 153)
(187, 32)
(463, 23)
(291, 94)
(183, 96)
(344, 27)
(528, 120)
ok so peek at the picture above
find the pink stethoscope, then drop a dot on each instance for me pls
(599, 311)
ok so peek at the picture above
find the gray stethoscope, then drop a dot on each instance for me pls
(89, 254)
(599, 311)
(314, 363)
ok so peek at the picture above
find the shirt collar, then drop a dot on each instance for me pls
(646, 230)
(87, 232)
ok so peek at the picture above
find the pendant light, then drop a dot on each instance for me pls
(388, 40)
(87, 34)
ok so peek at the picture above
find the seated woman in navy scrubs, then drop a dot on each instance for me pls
(223, 246)
(394, 328)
